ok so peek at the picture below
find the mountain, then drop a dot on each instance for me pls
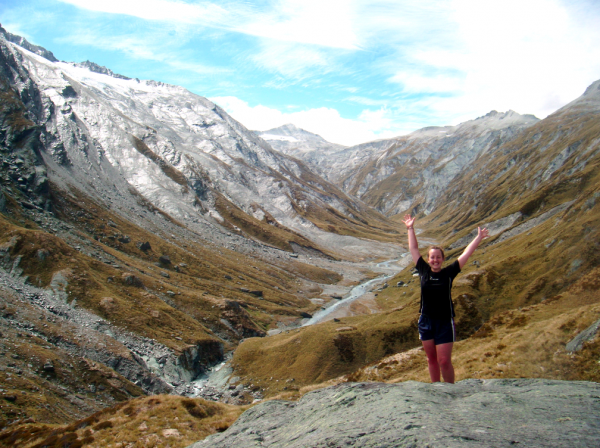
(22, 42)
(145, 233)
(311, 148)
(180, 152)
(403, 173)
(149, 242)
(292, 140)
(410, 173)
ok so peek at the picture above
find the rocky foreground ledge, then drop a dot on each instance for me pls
(471, 413)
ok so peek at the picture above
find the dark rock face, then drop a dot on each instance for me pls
(48, 366)
(101, 69)
(488, 413)
(194, 359)
(145, 246)
(240, 321)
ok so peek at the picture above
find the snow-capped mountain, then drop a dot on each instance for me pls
(109, 134)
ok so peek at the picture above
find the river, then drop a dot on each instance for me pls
(392, 266)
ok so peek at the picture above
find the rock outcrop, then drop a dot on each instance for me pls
(482, 413)
(586, 335)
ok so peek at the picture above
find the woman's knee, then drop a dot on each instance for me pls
(433, 362)
(445, 362)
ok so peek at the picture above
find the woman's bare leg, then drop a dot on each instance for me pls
(432, 360)
(444, 358)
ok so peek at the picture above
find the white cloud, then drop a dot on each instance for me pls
(316, 22)
(531, 57)
(291, 60)
(326, 122)
(153, 47)
(293, 35)
(163, 10)
(367, 101)
(414, 82)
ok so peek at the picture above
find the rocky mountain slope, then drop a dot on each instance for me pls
(146, 232)
(419, 167)
(410, 173)
(177, 150)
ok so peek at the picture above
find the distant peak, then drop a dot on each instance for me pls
(286, 129)
(289, 129)
(93, 67)
(495, 115)
(593, 89)
(22, 42)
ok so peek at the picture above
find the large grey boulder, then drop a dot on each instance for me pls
(473, 413)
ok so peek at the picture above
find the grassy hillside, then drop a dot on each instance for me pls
(527, 342)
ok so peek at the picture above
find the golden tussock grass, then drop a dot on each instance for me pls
(150, 422)
(209, 277)
(302, 357)
(525, 343)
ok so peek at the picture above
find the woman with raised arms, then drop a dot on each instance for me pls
(436, 322)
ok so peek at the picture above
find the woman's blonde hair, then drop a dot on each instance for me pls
(438, 248)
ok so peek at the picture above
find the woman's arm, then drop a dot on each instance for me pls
(481, 234)
(413, 245)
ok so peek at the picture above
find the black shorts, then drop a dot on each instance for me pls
(440, 330)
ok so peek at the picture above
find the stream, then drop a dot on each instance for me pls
(358, 291)
(214, 383)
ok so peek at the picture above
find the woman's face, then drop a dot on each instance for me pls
(435, 260)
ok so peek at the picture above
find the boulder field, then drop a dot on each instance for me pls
(473, 413)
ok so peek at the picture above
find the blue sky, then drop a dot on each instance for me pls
(349, 70)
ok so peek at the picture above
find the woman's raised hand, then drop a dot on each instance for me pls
(482, 233)
(408, 221)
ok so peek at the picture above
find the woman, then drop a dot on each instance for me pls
(436, 323)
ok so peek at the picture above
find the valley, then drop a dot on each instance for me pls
(163, 268)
